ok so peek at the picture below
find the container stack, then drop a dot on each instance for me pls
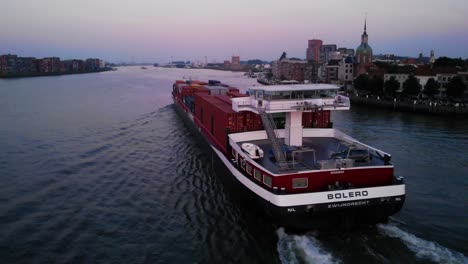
(211, 104)
(320, 119)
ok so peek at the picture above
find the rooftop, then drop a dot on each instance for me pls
(333, 62)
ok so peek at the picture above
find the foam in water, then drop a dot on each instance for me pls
(300, 249)
(424, 249)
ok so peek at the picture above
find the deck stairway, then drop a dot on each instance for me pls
(276, 142)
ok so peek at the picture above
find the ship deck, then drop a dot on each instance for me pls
(314, 150)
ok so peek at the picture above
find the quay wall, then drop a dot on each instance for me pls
(405, 106)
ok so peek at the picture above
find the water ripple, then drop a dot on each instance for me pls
(117, 177)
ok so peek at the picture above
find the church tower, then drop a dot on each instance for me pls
(432, 58)
(363, 52)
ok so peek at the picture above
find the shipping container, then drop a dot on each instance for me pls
(199, 82)
(225, 99)
(321, 119)
(307, 119)
(217, 90)
(215, 115)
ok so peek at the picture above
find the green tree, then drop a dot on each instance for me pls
(444, 62)
(361, 83)
(376, 84)
(431, 88)
(269, 75)
(456, 87)
(391, 86)
(411, 86)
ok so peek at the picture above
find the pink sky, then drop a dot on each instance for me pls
(157, 31)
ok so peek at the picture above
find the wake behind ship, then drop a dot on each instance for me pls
(278, 143)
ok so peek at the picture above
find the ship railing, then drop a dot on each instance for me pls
(355, 142)
(333, 103)
(307, 105)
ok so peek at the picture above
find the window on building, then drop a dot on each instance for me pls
(299, 183)
(257, 175)
(249, 168)
(242, 163)
(267, 180)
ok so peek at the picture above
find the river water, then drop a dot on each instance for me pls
(99, 168)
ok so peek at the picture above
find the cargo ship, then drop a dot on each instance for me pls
(278, 143)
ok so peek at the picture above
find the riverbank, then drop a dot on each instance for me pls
(39, 74)
(425, 107)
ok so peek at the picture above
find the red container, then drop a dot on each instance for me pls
(233, 89)
(198, 82)
(307, 119)
(224, 98)
(321, 119)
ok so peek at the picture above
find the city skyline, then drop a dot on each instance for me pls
(163, 31)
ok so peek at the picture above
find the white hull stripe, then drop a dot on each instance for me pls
(313, 198)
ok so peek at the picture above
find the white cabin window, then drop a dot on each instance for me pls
(242, 163)
(257, 174)
(267, 180)
(249, 168)
(299, 183)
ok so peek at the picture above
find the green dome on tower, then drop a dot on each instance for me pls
(364, 48)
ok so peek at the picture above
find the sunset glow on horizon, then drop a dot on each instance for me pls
(158, 31)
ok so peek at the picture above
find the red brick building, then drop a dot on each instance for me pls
(235, 63)
(290, 69)
(50, 65)
(313, 50)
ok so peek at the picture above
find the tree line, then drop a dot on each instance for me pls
(411, 87)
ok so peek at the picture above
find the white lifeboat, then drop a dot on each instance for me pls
(254, 151)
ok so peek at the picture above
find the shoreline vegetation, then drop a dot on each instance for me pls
(415, 106)
(40, 74)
